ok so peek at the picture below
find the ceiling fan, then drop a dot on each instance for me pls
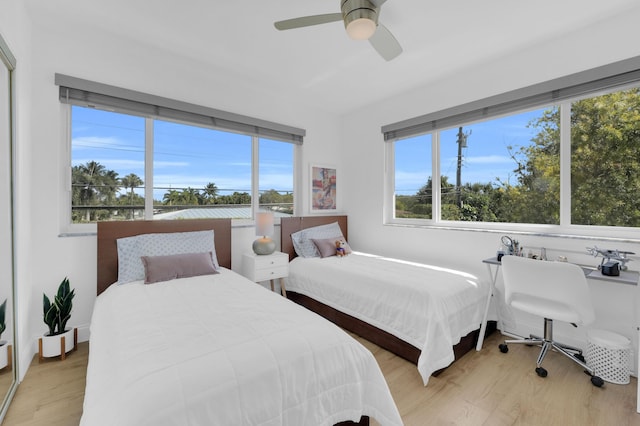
(360, 19)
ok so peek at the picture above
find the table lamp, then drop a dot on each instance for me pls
(264, 229)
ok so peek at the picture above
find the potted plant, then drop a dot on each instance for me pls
(59, 340)
(4, 353)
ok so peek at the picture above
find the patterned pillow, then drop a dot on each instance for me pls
(303, 243)
(131, 249)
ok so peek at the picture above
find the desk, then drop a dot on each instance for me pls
(626, 277)
(493, 276)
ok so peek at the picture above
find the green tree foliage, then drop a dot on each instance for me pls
(210, 193)
(277, 201)
(92, 185)
(131, 182)
(605, 169)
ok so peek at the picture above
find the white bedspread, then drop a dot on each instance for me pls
(429, 307)
(221, 350)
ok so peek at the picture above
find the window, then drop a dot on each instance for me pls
(413, 187)
(605, 159)
(196, 172)
(512, 167)
(200, 172)
(499, 171)
(276, 176)
(141, 156)
(107, 165)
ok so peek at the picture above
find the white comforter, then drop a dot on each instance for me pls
(429, 307)
(221, 350)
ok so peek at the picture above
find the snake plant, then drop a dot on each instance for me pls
(57, 314)
(3, 309)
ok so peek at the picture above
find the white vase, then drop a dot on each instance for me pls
(51, 346)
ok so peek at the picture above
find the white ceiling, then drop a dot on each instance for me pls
(439, 37)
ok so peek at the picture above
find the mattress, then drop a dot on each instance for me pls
(427, 306)
(222, 350)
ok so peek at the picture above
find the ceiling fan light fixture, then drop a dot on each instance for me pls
(360, 18)
(361, 29)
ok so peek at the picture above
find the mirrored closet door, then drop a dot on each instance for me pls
(8, 381)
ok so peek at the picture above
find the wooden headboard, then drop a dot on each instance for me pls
(289, 225)
(109, 232)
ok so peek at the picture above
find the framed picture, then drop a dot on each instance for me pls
(323, 188)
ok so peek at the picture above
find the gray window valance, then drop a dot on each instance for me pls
(77, 91)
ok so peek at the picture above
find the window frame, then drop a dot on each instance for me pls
(564, 229)
(68, 228)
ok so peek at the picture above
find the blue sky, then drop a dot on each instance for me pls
(190, 156)
(485, 158)
(184, 156)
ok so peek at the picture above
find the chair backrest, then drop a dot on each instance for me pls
(555, 290)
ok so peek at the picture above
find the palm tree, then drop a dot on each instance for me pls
(210, 193)
(189, 196)
(93, 184)
(131, 181)
(171, 197)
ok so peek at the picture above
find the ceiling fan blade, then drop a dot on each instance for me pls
(307, 21)
(385, 43)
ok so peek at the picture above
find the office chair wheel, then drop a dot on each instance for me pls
(503, 348)
(541, 372)
(597, 381)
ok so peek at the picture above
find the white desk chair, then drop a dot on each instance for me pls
(554, 291)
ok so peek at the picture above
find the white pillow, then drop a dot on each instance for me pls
(303, 240)
(131, 249)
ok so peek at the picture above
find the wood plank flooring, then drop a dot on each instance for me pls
(482, 388)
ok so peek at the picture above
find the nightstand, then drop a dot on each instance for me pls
(266, 267)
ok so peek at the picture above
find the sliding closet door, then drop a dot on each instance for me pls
(7, 336)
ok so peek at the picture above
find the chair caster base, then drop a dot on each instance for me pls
(503, 348)
(596, 381)
(541, 372)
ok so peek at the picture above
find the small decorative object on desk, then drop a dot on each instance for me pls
(511, 246)
(59, 340)
(613, 261)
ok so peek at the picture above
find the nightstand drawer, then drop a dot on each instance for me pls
(271, 273)
(273, 261)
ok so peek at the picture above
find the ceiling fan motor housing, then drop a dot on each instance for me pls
(362, 11)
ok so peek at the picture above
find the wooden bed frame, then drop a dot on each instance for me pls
(288, 226)
(109, 232)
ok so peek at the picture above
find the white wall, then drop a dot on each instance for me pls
(107, 59)
(363, 178)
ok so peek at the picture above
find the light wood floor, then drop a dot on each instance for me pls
(482, 388)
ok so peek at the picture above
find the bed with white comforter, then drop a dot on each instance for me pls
(221, 350)
(427, 306)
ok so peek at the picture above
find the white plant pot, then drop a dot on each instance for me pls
(4, 354)
(51, 345)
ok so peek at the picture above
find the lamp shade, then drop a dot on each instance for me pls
(264, 224)
(361, 29)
